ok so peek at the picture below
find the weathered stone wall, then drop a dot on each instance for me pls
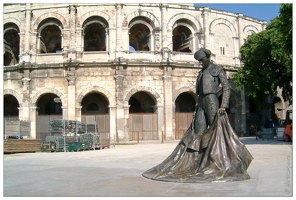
(118, 73)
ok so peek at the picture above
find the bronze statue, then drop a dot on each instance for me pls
(210, 149)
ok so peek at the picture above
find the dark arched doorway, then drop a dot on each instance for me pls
(255, 118)
(49, 107)
(10, 107)
(142, 117)
(185, 105)
(10, 113)
(95, 110)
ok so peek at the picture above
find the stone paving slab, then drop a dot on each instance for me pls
(116, 172)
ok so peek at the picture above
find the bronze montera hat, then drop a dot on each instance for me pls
(201, 53)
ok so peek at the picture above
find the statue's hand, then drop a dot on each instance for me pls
(222, 111)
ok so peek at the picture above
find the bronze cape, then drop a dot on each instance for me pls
(221, 157)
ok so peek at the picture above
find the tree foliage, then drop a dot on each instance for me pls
(267, 59)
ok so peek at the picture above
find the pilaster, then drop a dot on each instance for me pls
(168, 111)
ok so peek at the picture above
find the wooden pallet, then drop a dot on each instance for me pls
(21, 145)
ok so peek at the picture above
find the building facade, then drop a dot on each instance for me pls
(127, 67)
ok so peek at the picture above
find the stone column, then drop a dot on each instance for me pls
(126, 122)
(206, 27)
(118, 27)
(168, 107)
(71, 102)
(78, 112)
(119, 113)
(26, 53)
(25, 106)
(160, 121)
(157, 40)
(79, 42)
(38, 44)
(70, 32)
(164, 38)
(112, 43)
(113, 127)
(71, 77)
(33, 114)
(72, 10)
(240, 30)
(65, 112)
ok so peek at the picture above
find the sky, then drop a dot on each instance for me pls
(260, 11)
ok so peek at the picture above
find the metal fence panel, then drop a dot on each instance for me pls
(43, 125)
(17, 128)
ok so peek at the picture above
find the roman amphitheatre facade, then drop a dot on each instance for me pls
(127, 67)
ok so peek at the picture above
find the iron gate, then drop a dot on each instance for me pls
(143, 126)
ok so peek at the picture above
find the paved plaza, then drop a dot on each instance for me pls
(116, 172)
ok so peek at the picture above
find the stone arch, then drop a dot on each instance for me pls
(136, 89)
(50, 90)
(179, 91)
(141, 22)
(196, 25)
(97, 13)
(13, 93)
(11, 26)
(56, 22)
(249, 28)
(184, 24)
(225, 22)
(16, 22)
(57, 16)
(141, 13)
(99, 89)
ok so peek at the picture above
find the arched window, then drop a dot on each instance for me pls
(11, 44)
(50, 36)
(182, 39)
(95, 34)
(140, 34)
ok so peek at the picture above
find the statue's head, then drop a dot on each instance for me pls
(201, 53)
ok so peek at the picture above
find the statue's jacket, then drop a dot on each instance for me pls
(208, 82)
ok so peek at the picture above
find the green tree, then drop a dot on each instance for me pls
(267, 60)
